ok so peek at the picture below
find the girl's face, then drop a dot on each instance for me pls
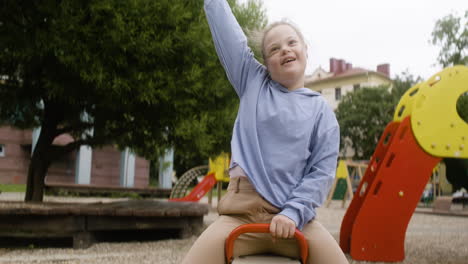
(285, 56)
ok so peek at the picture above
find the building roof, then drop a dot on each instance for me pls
(341, 69)
(348, 73)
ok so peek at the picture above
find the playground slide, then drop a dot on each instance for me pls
(200, 190)
(375, 223)
(425, 129)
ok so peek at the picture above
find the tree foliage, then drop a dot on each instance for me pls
(143, 73)
(451, 34)
(364, 114)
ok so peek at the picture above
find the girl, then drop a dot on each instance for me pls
(284, 147)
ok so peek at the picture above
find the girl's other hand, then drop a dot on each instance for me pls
(282, 227)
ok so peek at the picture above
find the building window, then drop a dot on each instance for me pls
(338, 94)
(2, 150)
(356, 87)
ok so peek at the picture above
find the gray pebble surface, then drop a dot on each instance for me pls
(429, 239)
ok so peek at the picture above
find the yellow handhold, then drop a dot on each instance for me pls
(434, 117)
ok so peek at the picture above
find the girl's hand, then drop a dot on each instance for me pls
(282, 227)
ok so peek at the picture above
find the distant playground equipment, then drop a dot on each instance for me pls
(425, 129)
(181, 187)
(216, 172)
(347, 173)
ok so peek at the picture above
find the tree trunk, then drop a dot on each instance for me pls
(42, 154)
(36, 175)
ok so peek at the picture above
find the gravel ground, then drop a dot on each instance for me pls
(429, 239)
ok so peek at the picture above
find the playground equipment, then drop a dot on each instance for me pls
(217, 173)
(182, 185)
(426, 128)
(265, 259)
(342, 186)
(346, 173)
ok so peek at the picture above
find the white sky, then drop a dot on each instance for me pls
(369, 32)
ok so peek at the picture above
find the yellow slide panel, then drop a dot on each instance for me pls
(405, 106)
(438, 128)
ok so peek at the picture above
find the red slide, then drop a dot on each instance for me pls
(374, 226)
(200, 190)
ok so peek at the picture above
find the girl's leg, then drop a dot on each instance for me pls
(237, 207)
(209, 247)
(323, 248)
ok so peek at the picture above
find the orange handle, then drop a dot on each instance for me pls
(262, 228)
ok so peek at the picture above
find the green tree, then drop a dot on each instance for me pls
(252, 17)
(401, 84)
(139, 73)
(364, 114)
(451, 34)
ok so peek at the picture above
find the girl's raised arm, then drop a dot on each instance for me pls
(231, 44)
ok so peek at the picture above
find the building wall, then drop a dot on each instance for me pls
(338, 82)
(142, 172)
(344, 76)
(15, 161)
(105, 168)
(329, 94)
(327, 87)
(63, 170)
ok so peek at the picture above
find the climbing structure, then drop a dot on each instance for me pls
(217, 173)
(426, 128)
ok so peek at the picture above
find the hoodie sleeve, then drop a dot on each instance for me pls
(312, 189)
(231, 44)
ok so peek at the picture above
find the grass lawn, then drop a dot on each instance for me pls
(13, 187)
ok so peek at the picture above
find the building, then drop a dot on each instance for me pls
(105, 166)
(344, 78)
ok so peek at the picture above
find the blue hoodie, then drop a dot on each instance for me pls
(287, 142)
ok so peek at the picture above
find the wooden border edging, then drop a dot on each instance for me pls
(82, 221)
(90, 189)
